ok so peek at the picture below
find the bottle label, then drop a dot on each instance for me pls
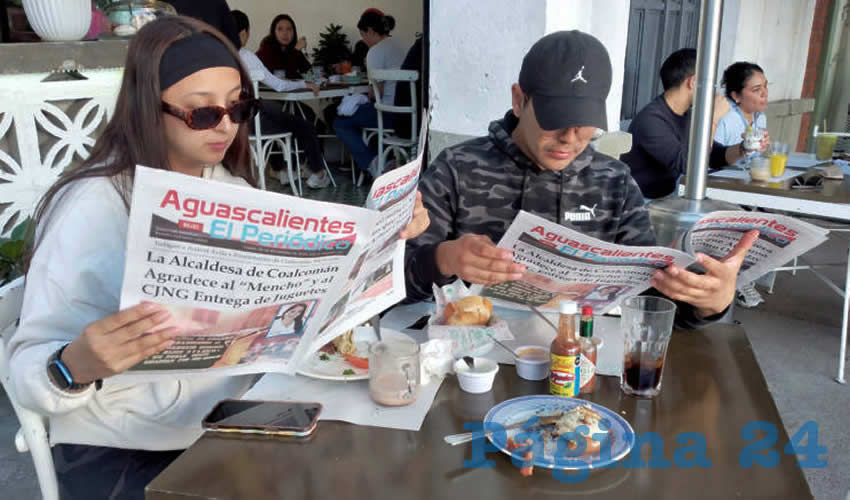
(588, 370)
(564, 375)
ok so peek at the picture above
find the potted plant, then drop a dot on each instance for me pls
(59, 20)
(333, 48)
(13, 251)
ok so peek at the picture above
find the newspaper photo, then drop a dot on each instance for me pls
(249, 277)
(781, 238)
(563, 264)
(376, 280)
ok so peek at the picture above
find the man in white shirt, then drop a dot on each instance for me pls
(273, 119)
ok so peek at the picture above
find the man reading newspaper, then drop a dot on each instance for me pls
(537, 159)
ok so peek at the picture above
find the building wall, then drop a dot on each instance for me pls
(476, 55)
(312, 17)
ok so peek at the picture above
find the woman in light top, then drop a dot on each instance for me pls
(384, 53)
(746, 89)
(273, 119)
(183, 106)
(289, 322)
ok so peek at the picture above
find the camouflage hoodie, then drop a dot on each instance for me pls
(480, 185)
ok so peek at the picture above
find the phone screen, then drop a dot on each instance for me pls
(264, 414)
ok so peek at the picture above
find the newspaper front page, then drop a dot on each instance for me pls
(250, 277)
(563, 264)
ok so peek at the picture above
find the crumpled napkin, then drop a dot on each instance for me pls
(350, 103)
(435, 360)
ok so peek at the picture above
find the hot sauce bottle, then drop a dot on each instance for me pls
(565, 354)
(588, 351)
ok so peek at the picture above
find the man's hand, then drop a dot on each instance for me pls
(712, 292)
(420, 221)
(475, 258)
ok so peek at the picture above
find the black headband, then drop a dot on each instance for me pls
(191, 54)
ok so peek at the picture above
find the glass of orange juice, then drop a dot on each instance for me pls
(778, 158)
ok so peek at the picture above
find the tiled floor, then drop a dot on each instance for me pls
(345, 192)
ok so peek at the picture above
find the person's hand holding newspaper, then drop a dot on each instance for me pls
(712, 292)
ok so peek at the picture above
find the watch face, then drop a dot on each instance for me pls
(59, 376)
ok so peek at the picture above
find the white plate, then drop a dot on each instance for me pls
(335, 366)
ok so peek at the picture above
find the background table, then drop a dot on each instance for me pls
(831, 201)
(712, 385)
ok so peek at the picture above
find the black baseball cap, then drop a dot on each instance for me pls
(568, 75)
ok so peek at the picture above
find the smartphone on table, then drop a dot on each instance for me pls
(282, 418)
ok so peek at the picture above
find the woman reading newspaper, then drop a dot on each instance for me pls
(183, 106)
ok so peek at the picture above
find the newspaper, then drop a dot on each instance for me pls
(563, 264)
(256, 280)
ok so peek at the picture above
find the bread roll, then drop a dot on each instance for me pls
(468, 311)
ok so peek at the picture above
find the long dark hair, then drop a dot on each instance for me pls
(379, 23)
(271, 38)
(134, 134)
(736, 76)
(299, 320)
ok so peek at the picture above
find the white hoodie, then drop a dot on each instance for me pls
(74, 279)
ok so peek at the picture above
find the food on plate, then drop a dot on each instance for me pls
(344, 345)
(468, 311)
(527, 469)
(564, 423)
(357, 362)
(581, 415)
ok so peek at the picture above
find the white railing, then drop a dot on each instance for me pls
(45, 126)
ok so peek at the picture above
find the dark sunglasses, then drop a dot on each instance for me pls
(209, 117)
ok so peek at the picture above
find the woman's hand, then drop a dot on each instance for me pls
(420, 221)
(117, 342)
(312, 86)
(301, 44)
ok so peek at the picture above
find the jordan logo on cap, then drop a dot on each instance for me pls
(579, 76)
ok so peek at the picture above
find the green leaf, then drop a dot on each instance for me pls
(348, 371)
(13, 250)
(21, 231)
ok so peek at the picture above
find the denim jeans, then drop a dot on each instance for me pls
(348, 129)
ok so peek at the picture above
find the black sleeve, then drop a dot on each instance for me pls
(439, 195)
(717, 158)
(656, 136)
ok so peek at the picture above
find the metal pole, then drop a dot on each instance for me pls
(703, 108)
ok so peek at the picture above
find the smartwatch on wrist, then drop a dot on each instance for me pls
(61, 376)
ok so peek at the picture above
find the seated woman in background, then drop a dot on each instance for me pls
(273, 119)
(111, 437)
(746, 89)
(282, 50)
(384, 53)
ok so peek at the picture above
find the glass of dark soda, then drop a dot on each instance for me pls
(647, 323)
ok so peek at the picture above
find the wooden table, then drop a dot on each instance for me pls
(712, 385)
(831, 201)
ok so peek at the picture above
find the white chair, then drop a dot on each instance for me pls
(387, 142)
(261, 148)
(32, 436)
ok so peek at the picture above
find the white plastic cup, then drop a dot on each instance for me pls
(476, 380)
(532, 362)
